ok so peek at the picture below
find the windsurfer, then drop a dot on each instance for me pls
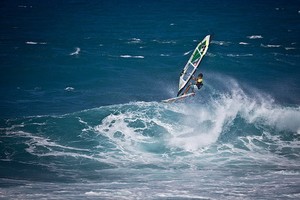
(197, 85)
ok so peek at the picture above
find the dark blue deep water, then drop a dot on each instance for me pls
(81, 85)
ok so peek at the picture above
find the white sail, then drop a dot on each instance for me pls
(192, 64)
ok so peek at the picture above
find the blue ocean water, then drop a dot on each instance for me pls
(81, 86)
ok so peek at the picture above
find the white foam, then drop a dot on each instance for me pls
(282, 118)
(50, 148)
(76, 52)
(116, 128)
(271, 45)
(196, 126)
(255, 37)
(239, 55)
(24, 6)
(35, 43)
(209, 123)
(290, 48)
(91, 193)
(221, 43)
(69, 89)
(130, 56)
(30, 42)
(202, 125)
(243, 43)
(165, 41)
(135, 40)
(188, 52)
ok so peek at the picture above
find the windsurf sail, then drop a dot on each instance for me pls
(192, 64)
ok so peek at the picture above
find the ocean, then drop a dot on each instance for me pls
(81, 87)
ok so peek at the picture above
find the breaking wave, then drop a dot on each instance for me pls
(232, 126)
